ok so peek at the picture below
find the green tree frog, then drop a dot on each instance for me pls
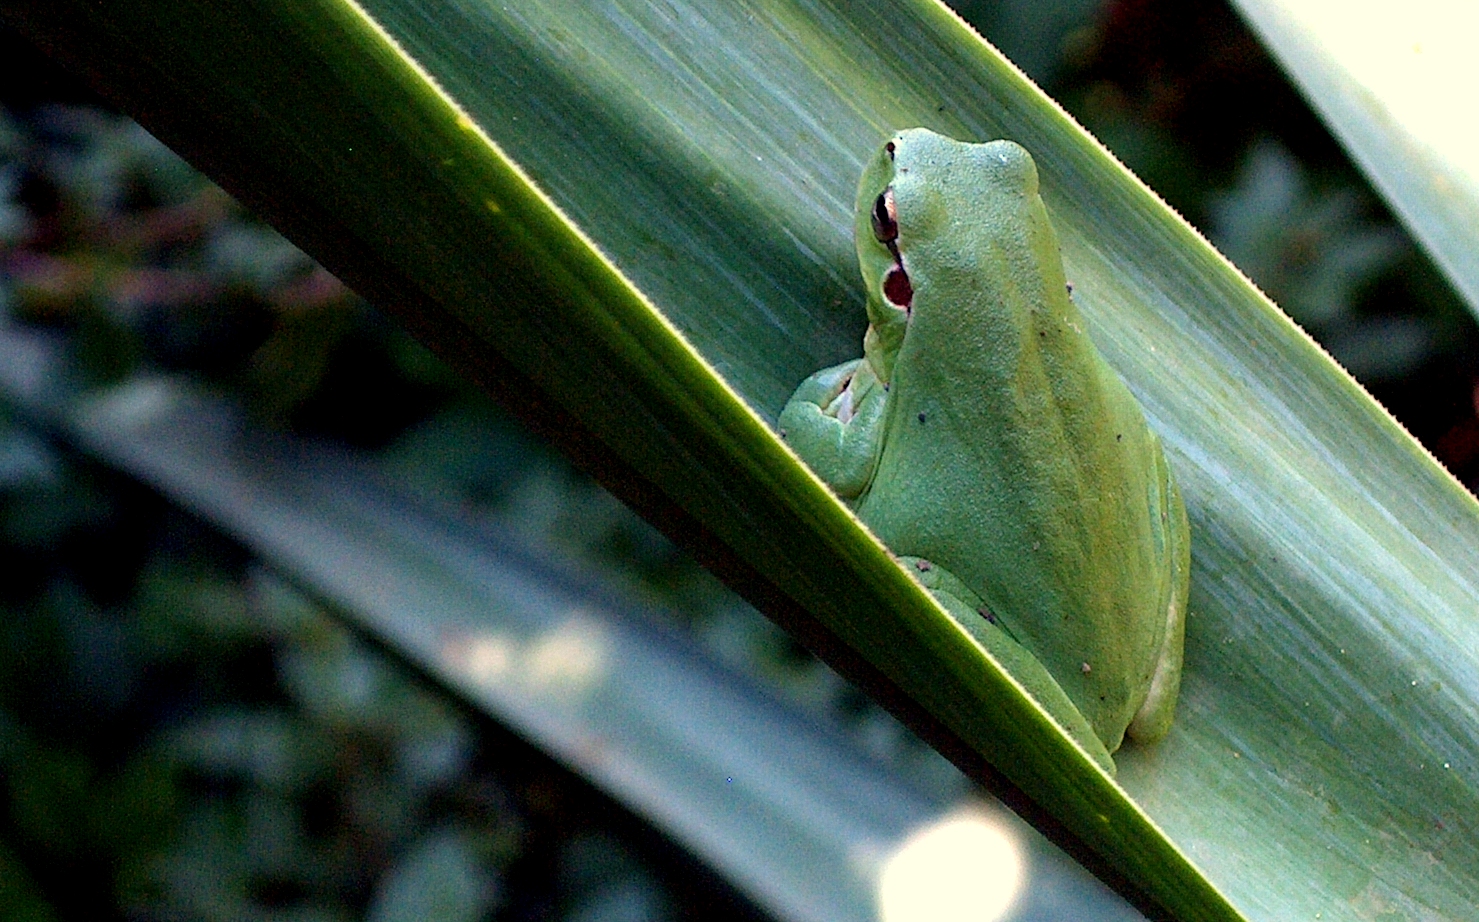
(986, 442)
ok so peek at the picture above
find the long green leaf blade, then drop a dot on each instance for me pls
(1325, 752)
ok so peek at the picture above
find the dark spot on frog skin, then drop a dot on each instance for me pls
(921, 416)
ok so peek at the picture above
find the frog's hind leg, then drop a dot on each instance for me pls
(1153, 720)
(967, 610)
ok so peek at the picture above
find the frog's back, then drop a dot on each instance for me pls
(1015, 457)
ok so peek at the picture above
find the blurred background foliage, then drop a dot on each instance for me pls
(183, 736)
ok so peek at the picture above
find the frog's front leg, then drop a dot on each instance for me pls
(834, 421)
(971, 613)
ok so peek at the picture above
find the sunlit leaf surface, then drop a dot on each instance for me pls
(1390, 80)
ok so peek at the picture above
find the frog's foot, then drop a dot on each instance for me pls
(834, 422)
(971, 613)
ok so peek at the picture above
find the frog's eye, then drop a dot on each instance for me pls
(885, 217)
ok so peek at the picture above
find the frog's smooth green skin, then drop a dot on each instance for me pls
(983, 434)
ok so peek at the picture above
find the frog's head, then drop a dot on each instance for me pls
(938, 219)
